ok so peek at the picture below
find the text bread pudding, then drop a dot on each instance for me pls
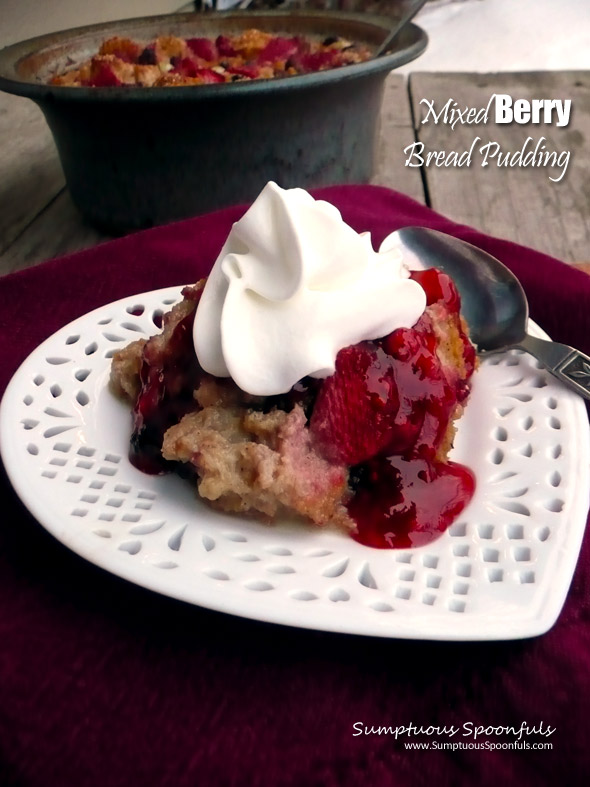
(308, 375)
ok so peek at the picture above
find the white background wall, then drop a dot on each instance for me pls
(505, 35)
(20, 19)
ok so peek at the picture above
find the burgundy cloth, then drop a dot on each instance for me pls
(104, 683)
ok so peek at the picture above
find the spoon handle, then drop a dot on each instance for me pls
(408, 12)
(570, 366)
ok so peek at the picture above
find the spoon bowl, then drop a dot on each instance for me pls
(493, 301)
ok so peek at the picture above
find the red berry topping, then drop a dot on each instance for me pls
(203, 48)
(208, 76)
(319, 61)
(438, 287)
(225, 47)
(103, 76)
(354, 414)
(184, 66)
(382, 400)
(169, 375)
(278, 49)
(387, 410)
(407, 503)
(251, 72)
(188, 68)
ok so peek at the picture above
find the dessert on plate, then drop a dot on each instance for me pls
(172, 61)
(308, 375)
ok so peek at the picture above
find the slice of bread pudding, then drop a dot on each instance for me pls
(365, 449)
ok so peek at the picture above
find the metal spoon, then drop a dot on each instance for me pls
(493, 302)
(408, 9)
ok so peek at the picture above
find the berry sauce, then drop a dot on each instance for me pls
(403, 496)
(168, 379)
(405, 503)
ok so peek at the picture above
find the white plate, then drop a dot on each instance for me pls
(500, 572)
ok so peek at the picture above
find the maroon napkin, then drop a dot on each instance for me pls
(104, 683)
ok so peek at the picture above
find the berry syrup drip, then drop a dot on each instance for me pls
(401, 503)
(386, 412)
(168, 378)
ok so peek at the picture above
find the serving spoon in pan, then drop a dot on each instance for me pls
(408, 9)
(493, 302)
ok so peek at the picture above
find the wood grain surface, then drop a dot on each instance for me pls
(30, 172)
(521, 204)
(396, 132)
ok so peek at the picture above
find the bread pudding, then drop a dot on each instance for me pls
(363, 447)
(171, 61)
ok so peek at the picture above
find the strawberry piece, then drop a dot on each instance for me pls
(278, 49)
(209, 77)
(251, 72)
(225, 47)
(354, 413)
(393, 396)
(183, 66)
(203, 48)
(319, 61)
(188, 68)
(438, 287)
(103, 76)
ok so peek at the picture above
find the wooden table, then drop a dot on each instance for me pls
(38, 220)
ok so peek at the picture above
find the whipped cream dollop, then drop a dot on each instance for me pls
(293, 285)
